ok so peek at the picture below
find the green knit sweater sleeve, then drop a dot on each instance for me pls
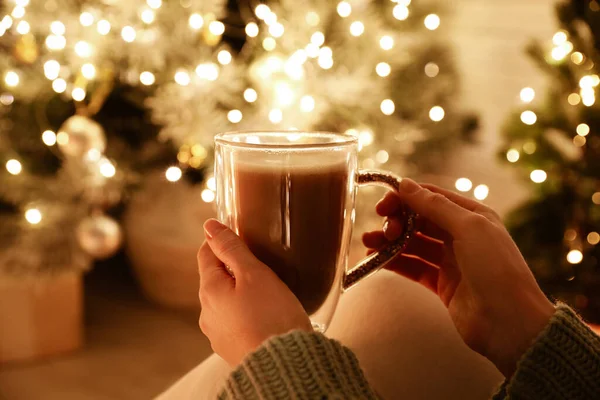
(562, 364)
(298, 365)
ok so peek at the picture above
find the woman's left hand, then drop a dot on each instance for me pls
(245, 306)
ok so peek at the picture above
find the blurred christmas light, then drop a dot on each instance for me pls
(55, 42)
(275, 116)
(33, 216)
(147, 78)
(128, 34)
(196, 21)
(83, 49)
(62, 138)
(463, 184)
(57, 28)
(14, 167)
(262, 11)
(589, 81)
(561, 51)
(217, 28)
(570, 235)
(78, 94)
(512, 155)
(182, 78)
(574, 257)
(344, 9)
(583, 129)
(577, 58)
(269, 44)
(51, 69)
(211, 183)
(481, 192)
(386, 42)
(593, 238)
(307, 103)
(538, 176)
(88, 71)
(574, 99)
(208, 71)
(147, 16)
(527, 95)
(528, 117)
(432, 70)
(559, 38)
(432, 22)
(23, 27)
(325, 62)
(107, 169)
(312, 50)
(224, 57)
(529, 147)
(383, 69)
(276, 30)
(234, 116)
(250, 95)
(312, 18)
(579, 141)
(387, 107)
(11, 78)
(22, 3)
(270, 19)
(59, 85)
(173, 174)
(6, 22)
(18, 12)
(103, 27)
(7, 99)
(207, 195)
(596, 198)
(49, 138)
(365, 138)
(86, 19)
(588, 96)
(252, 29)
(155, 4)
(357, 28)
(437, 114)
(317, 38)
(400, 12)
(382, 156)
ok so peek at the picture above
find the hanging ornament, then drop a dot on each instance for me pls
(26, 49)
(99, 235)
(79, 134)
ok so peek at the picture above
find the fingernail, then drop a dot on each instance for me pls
(408, 185)
(212, 228)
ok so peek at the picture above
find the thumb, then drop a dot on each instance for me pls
(434, 206)
(228, 247)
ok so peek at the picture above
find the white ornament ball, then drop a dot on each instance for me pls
(100, 236)
(79, 134)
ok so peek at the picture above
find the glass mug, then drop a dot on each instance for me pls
(290, 196)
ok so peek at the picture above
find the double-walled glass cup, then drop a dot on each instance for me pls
(291, 197)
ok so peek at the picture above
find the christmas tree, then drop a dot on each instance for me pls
(555, 144)
(95, 94)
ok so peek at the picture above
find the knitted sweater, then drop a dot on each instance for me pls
(563, 363)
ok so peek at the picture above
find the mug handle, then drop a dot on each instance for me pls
(379, 259)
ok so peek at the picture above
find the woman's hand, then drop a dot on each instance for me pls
(464, 254)
(244, 304)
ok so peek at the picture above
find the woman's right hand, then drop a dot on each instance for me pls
(465, 255)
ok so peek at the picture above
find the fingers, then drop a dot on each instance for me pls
(416, 270)
(430, 251)
(213, 274)
(390, 204)
(434, 206)
(465, 202)
(228, 247)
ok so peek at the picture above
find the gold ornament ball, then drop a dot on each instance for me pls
(100, 236)
(79, 134)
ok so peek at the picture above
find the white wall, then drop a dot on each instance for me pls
(489, 37)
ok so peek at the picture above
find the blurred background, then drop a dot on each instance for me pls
(107, 113)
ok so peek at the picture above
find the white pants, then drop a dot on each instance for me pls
(405, 342)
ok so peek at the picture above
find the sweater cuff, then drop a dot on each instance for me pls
(562, 363)
(299, 364)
